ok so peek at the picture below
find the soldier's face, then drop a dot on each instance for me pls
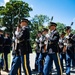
(23, 24)
(39, 34)
(62, 36)
(6, 35)
(44, 33)
(52, 28)
(68, 31)
(1, 32)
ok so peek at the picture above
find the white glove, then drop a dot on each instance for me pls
(16, 33)
(47, 35)
(67, 37)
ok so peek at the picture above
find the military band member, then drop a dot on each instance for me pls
(7, 48)
(52, 51)
(37, 49)
(43, 48)
(70, 49)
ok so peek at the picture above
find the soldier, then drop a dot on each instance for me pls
(52, 51)
(70, 41)
(16, 62)
(43, 49)
(73, 61)
(25, 47)
(1, 41)
(37, 50)
(61, 49)
(7, 47)
(1, 48)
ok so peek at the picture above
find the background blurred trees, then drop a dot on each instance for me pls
(60, 27)
(12, 12)
(38, 24)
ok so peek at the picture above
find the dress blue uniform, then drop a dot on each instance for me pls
(1, 43)
(61, 49)
(15, 66)
(70, 41)
(25, 50)
(42, 54)
(52, 52)
(73, 63)
(37, 52)
(70, 53)
(1, 49)
(7, 47)
(25, 47)
(16, 62)
(43, 49)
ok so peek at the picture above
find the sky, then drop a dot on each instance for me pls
(63, 11)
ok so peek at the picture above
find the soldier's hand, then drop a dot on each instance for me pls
(18, 29)
(64, 49)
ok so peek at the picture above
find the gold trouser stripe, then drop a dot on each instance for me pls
(19, 73)
(59, 63)
(26, 65)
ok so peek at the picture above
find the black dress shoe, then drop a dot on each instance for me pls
(34, 70)
(39, 74)
(5, 70)
(50, 73)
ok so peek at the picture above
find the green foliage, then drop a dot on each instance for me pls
(73, 31)
(60, 27)
(38, 24)
(13, 12)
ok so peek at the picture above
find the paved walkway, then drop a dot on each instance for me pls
(32, 61)
(4, 73)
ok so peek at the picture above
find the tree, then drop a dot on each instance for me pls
(38, 24)
(12, 12)
(39, 20)
(60, 27)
